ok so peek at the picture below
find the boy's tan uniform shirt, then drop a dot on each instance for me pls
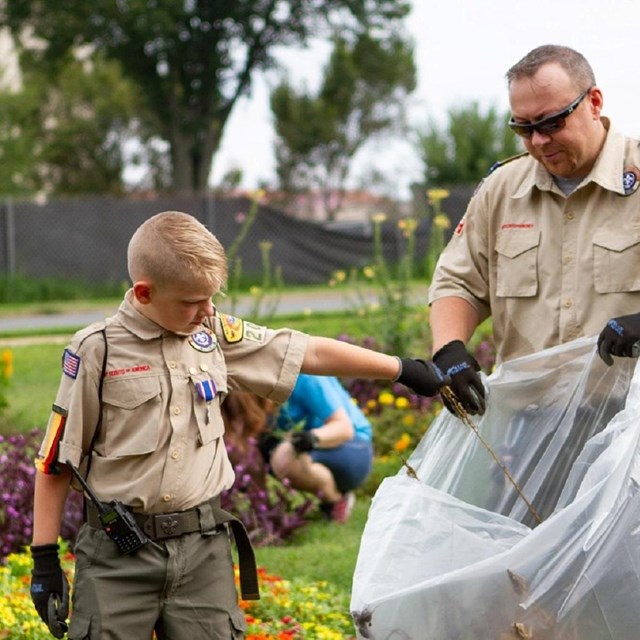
(159, 447)
(546, 267)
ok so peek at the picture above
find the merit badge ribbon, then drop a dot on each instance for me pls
(206, 389)
(204, 341)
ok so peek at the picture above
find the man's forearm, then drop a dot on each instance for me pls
(452, 318)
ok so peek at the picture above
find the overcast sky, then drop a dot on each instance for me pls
(463, 49)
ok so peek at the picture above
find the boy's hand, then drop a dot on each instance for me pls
(303, 441)
(462, 367)
(619, 337)
(49, 588)
(425, 378)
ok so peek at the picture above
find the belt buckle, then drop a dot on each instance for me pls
(166, 525)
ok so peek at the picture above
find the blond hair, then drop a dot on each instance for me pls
(574, 63)
(175, 248)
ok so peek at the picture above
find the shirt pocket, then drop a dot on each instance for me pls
(132, 414)
(616, 257)
(517, 263)
(207, 412)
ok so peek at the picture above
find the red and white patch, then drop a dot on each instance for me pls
(459, 228)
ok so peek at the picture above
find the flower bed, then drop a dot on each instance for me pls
(288, 609)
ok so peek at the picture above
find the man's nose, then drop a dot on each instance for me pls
(538, 139)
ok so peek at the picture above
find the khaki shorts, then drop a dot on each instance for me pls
(183, 588)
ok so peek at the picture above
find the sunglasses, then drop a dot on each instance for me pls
(550, 124)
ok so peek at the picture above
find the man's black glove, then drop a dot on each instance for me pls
(457, 363)
(49, 588)
(303, 441)
(619, 338)
(424, 378)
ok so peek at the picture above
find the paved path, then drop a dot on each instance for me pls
(288, 303)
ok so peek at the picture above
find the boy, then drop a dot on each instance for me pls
(138, 410)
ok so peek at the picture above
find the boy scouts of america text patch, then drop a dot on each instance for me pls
(204, 341)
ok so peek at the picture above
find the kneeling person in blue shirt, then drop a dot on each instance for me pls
(332, 453)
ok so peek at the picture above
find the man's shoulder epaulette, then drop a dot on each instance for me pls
(501, 163)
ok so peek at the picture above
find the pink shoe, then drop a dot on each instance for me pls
(342, 509)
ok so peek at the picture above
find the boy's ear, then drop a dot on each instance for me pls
(142, 292)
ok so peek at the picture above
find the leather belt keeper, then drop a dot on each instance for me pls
(206, 518)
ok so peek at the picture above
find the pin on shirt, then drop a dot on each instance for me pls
(207, 390)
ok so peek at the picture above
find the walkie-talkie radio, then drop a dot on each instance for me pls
(117, 521)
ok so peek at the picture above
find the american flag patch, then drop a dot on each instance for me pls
(70, 364)
(206, 389)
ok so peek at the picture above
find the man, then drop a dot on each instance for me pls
(550, 243)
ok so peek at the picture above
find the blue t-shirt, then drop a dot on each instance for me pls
(314, 399)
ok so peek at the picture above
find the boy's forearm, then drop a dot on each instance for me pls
(48, 505)
(329, 357)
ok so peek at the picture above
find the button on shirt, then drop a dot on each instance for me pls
(546, 267)
(159, 447)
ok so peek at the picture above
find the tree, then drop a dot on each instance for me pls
(191, 59)
(362, 94)
(62, 134)
(464, 151)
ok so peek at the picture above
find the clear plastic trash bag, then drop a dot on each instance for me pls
(453, 552)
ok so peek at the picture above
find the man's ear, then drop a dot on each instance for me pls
(142, 292)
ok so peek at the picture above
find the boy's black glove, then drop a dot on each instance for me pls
(462, 368)
(303, 441)
(49, 588)
(619, 338)
(425, 378)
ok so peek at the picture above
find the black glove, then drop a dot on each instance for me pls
(303, 441)
(619, 338)
(49, 588)
(424, 378)
(462, 368)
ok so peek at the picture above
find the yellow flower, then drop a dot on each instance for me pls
(408, 420)
(371, 403)
(379, 217)
(255, 291)
(258, 194)
(402, 402)
(7, 363)
(386, 398)
(265, 245)
(402, 443)
(441, 221)
(437, 195)
(369, 272)
(340, 276)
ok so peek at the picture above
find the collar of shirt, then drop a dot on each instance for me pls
(606, 172)
(132, 320)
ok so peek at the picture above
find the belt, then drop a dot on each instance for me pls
(206, 518)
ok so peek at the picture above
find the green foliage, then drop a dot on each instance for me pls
(362, 94)
(191, 61)
(63, 131)
(17, 289)
(465, 150)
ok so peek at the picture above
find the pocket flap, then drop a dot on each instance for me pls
(615, 240)
(129, 393)
(512, 243)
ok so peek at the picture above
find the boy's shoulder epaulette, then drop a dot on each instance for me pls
(80, 336)
(501, 163)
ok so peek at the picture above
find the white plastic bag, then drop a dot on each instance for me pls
(452, 553)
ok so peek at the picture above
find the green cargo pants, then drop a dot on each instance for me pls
(182, 588)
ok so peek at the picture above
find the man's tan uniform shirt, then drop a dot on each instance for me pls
(159, 447)
(546, 267)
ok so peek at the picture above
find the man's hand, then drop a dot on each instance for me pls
(457, 363)
(49, 588)
(422, 377)
(619, 337)
(303, 441)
